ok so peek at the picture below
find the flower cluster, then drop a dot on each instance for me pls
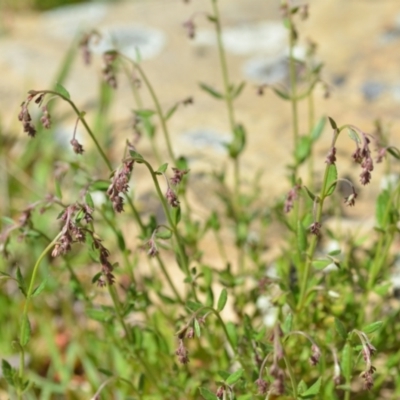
(331, 157)
(106, 267)
(109, 69)
(182, 353)
(362, 155)
(178, 175)
(291, 197)
(153, 250)
(368, 350)
(171, 198)
(70, 233)
(84, 45)
(25, 117)
(119, 184)
(45, 118)
(315, 228)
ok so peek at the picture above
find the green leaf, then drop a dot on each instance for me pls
(331, 180)
(223, 374)
(383, 288)
(381, 205)
(162, 169)
(372, 327)
(353, 135)
(223, 297)
(213, 222)
(39, 289)
(394, 151)
(197, 327)
(303, 149)
(144, 114)
(312, 390)
(7, 220)
(332, 122)
(235, 92)
(281, 94)
(233, 378)
(335, 252)
(8, 372)
(58, 189)
(211, 91)
(287, 325)
(207, 394)
(61, 90)
(6, 275)
(321, 264)
(89, 200)
(25, 330)
(238, 143)
(311, 195)
(100, 185)
(96, 277)
(193, 305)
(105, 371)
(341, 330)
(301, 237)
(232, 332)
(135, 154)
(318, 129)
(21, 282)
(171, 111)
(99, 315)
(176, 214)
(301, 387)
(164, 234)
(120, 240)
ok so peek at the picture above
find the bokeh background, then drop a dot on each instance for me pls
(358, 42)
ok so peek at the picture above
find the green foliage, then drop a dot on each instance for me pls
(124, 288)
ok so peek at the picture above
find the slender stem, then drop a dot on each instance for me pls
(139, 103)
(314, 239)
(380, 257)
(24, 322)
(293, 91)
(174, 228)
(158, 108)
(82, 118)
(222, 323)
(224, 68)
(159, 260)
(227, 90)
(291, 376)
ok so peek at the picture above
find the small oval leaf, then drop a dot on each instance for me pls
(60, 89)
(331, 180)
(223, 297)
(372, 327)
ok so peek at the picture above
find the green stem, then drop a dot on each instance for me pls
(291, 376)
(159, 260)
(173, 227)
(293, 91)
(234, 348)
(314, 239)
(158, 109)
(385, 242)
(227, 90)
(139, 103)
(80, 115)
(25, 322)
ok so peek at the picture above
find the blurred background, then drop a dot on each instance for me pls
(357, 42)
